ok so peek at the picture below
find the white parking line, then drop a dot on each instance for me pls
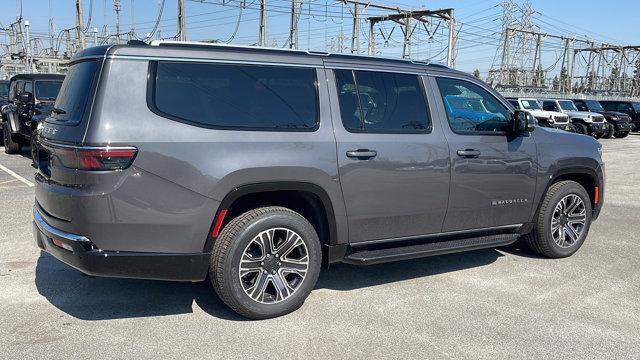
(8, 171)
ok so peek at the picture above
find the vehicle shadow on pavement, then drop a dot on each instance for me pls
(89, 298)
(345, 277)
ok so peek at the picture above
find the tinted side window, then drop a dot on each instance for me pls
(472, 109)
(19, 87)
(237, 96)
(580, 105)
(382, 102)
(13, 90)
(549, 106)
(28, 87)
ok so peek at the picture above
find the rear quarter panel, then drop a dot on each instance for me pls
(206, 163)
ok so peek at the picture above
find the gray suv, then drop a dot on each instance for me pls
(175, 161)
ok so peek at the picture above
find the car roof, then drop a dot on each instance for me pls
(38, 77)
(202, 50)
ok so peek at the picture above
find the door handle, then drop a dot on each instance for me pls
(469, 153)
(362, 154)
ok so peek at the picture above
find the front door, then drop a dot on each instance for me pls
(393, 162)
(493, 173)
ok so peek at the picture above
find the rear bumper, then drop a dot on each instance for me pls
(84, 256)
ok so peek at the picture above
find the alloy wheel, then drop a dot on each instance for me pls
(273, 265)
(568, 220)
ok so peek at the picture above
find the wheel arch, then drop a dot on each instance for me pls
(585, 176)
(310, 199)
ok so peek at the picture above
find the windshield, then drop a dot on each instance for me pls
(75, 92)
(567, 105)
(47, 90)
(514, 103)
(4, 89)
(636, 106)
(593, 105)
(530, 104)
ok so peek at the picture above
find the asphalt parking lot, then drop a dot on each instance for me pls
(488, 304)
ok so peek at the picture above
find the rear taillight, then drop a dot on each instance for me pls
(96, 158)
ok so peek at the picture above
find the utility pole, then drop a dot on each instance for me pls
(182, 29)
(293, 30)
(28, 47)
(355, 33)
(117, 7)
(80, 39)
(537, 60)
(372, 38)
(95, 36)
(504, 65)
(451, 59)
(262, 30)
(67, 43)
(406, 44)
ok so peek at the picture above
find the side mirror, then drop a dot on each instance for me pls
(25, 97)
(522, 122)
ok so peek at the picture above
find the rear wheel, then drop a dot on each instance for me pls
(622, 134)
(266, 262)
(10, 146)
(563, 221)
(581, 129)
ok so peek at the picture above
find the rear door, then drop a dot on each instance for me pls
(393, 161)
(493, 174)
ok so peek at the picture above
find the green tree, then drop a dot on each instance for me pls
(565, 83)
(476, 73)
(556, 83)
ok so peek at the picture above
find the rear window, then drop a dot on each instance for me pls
(75, 93)
(47, 90)
(245, 97)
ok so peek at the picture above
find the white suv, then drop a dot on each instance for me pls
(554, 119)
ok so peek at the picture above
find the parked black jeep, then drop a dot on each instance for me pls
(631, 108)
(4, 97)
(30, 100)
(619, 123)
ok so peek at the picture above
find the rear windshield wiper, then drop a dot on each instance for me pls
(55, 110)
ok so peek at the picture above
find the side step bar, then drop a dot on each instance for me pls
(370, 257)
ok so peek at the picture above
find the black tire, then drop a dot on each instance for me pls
(581, 129)
(609, 132)
(622, 134)
(230, 246)
(540, 238)
(34, 149)
(10, 146)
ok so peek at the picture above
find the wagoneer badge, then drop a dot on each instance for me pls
(509, 202)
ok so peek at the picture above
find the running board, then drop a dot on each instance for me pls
(370, 257)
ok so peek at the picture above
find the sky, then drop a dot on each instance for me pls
(322, 22)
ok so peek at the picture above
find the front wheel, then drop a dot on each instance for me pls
(10, 146)
(581, 129)
(562, 222)
(266, 262)
(609, 131)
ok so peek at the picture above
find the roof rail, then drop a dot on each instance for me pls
(137, 42)
(233, 46)
(294, 51)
